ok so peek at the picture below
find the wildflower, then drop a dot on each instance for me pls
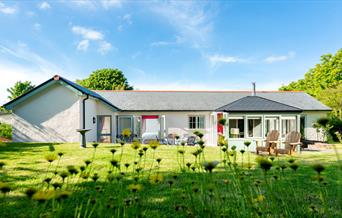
(126, 165)
(115, 163)
(201, 143)
(135, 144)
(193, 168)
(272, 158)
(264, 164)
(180, 151)
(139, 169)
(4, 188)
(174, 177)
(257, 183)
(170, 182)
(95, 177)
(145, 148)
(233, 148)
(188, 165)
(63, 195)
(226, 181)
(56, 185)
(42, 196)
(113, 150)
(199, 134)
(95, 144)
(85, 175)
(195, 189)
(98, 188)
(72, 170)
(224, 149)
(135, 187)
(30, 192)
(50, 157)
(275, 177)
(183, 143)
(210, 165)
(156, 178)
(87, 162)
(291, 160)
(259, 198)
(318, 168)
(135, 162)
(158, 160)
(141, 153)
(247, 143)
(47, 180)
(122, 143)
(64, 175)
(82, 168)
(242, 151)
(2, 164)
(60, 154)
(126, 133)
(154, 144)
(110, 177)
(127, 201)
(294, 166)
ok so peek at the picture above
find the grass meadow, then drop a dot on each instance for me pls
(134, 180)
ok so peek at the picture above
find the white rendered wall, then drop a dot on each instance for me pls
(50, 116)
(310, 118)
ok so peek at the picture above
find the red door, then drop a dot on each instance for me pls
(219, 126)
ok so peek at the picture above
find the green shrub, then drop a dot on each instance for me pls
(5, 131)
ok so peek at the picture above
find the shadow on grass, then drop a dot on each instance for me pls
(20, 147)
(190, 194)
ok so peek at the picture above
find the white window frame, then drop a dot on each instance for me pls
(283, 118)
(244, 125)
(197, 121)
(256, 116)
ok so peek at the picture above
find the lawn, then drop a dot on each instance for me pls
(124, 184)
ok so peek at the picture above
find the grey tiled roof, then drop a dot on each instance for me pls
(256, 103)
(200, 101)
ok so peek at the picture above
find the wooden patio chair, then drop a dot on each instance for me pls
(292, 140)
(270, 142)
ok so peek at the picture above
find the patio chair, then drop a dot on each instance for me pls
(171, 139)
(292, 140)
(271, 142)
(191, 140)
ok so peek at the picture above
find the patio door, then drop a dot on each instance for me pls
(125, 122)
(271, 123)
(104, 128)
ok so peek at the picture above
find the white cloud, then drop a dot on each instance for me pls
(273, 58)
(19, 62)
(107, 4)
(224, 59)
(87, 33)
(44, 6)
(125, 20)
(104, 47)
(83, 45)
(6, 9)
(190, 20)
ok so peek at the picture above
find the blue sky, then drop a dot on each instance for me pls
(187, 45)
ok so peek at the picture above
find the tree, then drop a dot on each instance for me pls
(19, 89)
(106, 79)
(324, 82)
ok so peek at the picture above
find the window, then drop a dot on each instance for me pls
(254, 126)
(271, 123)
(196, 122)
(288, 124)
(236, 127)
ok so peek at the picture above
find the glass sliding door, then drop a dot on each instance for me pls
(271, 123)
(125, 122)
(104, 128)
(288, 124)
(254, 127)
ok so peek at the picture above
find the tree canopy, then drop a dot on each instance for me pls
(19, 89)
(324, 82)
(106, 79)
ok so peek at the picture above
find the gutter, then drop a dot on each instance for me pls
(83, 111)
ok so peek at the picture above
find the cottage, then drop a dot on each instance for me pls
(57, 108)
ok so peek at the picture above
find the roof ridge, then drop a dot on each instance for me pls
(232, 91)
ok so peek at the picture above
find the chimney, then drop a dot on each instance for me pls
(253, 92)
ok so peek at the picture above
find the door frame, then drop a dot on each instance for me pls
(118, 127)
(98, 129)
